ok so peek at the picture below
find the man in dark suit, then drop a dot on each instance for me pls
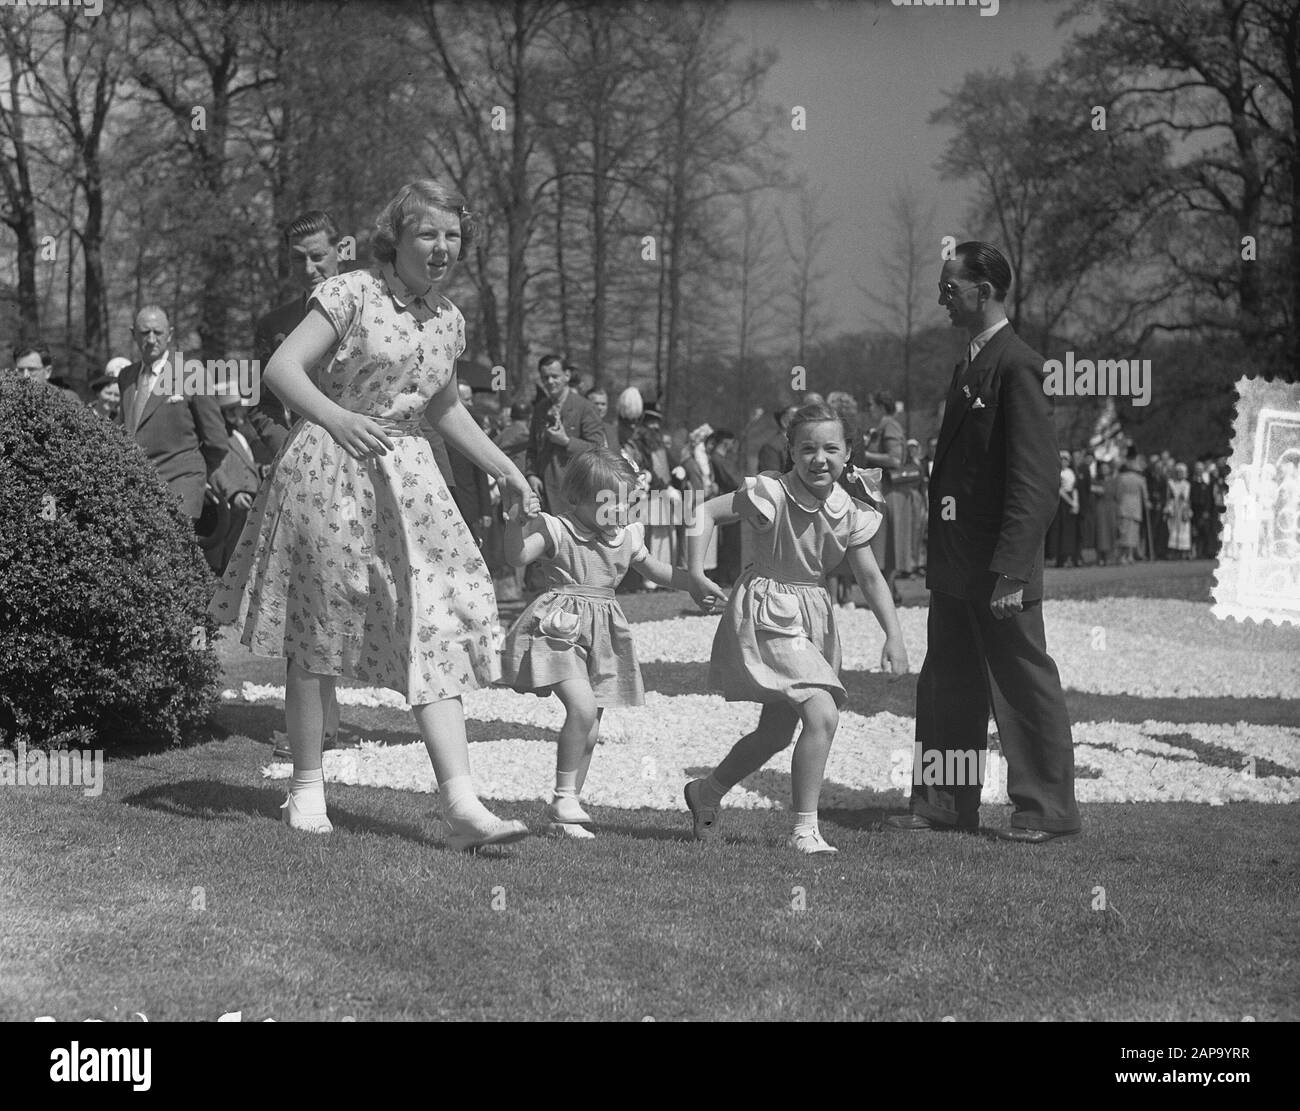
(312, 241)
(993, 492)
(564, 424)
(180, 430)
(472, 495)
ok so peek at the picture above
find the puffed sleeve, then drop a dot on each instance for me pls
(460, 334)
(756, 501)
(636, 541)
(551, 530)
(864, 520)
(339, 299)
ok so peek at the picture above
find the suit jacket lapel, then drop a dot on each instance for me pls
(156, 397)
(126, 403)
(959, 404)
(150, 407)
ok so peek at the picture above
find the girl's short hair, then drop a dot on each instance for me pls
(817, 413)
(412, 202)
(596, 470)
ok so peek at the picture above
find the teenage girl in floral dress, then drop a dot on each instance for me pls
(354, 561)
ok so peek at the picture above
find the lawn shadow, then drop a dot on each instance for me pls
(646, 833)
(775, 785)
(265, 724)
(872, 692)
(207, 800)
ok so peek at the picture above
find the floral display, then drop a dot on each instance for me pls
(1135, 647)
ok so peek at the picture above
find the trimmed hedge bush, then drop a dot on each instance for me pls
(104, 631)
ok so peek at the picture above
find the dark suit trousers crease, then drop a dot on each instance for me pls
(975, 663)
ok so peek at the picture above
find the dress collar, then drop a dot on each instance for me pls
(613, 537)
(837, 502)
(404, 295)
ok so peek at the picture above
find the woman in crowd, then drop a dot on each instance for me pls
(665, 500)
(697, 488)
(1105, 493)
(882, 447)
(920, 505)
(108, 397)
(1178, 513)
(727, 478)
(1063, 538)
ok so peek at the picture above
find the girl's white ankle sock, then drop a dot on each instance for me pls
(308, 791)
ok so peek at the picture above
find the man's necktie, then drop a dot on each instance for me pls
(143, 385)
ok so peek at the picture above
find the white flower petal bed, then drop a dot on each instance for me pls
(1154, 648)
(649, 752)
(1123, 646)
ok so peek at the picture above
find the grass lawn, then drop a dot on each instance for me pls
(178, 894)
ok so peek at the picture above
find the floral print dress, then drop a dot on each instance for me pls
(364, 568)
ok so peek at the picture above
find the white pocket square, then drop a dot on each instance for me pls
(979, 403)
(174, 399)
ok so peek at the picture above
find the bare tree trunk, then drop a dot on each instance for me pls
(20, 201)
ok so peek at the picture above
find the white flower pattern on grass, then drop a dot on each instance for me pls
(1155, 649)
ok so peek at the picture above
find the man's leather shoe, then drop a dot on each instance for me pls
(1031, 836)
(914, 823)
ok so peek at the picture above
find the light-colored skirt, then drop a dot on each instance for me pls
(574, 632)
(363, 569)
(777, 642)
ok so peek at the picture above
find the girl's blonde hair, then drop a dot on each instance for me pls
(412, 202)
(596, 470)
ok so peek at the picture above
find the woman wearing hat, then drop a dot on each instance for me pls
(108, 395)
(1178, 513)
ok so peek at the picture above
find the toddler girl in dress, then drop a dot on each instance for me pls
(573, 640)
(777, 643)
(354, 560)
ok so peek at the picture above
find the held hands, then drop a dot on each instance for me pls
(1008, 598)
(358, 435)
(708, 595)
(519, 496)
(893, 659)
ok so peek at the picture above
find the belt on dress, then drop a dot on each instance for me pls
(583, 591)
(762, 573)
(411, 427)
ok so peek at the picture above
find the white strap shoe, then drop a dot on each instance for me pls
(811, 844)
(308, 823)
(465, 836)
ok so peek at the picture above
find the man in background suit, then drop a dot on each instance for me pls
(472, 495)
(184, 437)
(564, 424)
(993, 492)
(312, 241)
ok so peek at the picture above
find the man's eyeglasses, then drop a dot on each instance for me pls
(951, 289)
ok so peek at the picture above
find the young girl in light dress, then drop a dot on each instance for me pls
(354, 561)
(573, 641)
(777, 643)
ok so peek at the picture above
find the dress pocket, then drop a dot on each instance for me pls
(778, 614)
(560, 625)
